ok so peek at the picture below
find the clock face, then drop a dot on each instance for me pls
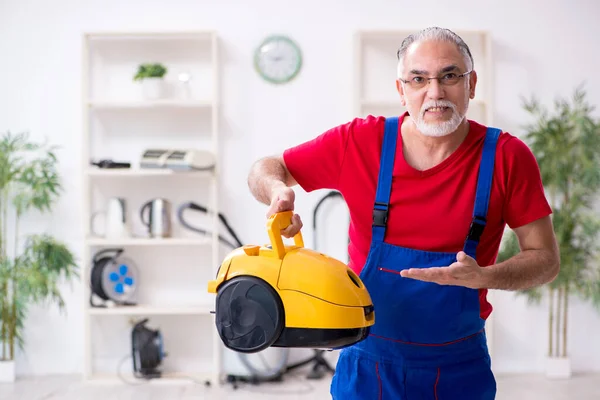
(278, 59)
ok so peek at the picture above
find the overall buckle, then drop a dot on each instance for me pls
(380, 217)
(476, 229)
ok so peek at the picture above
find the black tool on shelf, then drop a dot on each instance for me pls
(110, 164)
(147, 351)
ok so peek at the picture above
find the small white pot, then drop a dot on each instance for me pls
(558, 367)
(153, 88)
(7, 371)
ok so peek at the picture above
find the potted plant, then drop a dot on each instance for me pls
(31, 266)
(151, 75)
(566, 144)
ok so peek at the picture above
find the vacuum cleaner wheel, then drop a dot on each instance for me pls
(249, 314)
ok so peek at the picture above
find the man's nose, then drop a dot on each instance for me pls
(435, 89)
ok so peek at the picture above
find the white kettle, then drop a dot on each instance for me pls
(115, 220)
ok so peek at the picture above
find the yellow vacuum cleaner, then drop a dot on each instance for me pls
(288, 296)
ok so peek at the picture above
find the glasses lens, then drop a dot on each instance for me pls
(417, 82)
(450, 79)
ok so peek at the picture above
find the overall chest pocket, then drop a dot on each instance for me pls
(414, 311)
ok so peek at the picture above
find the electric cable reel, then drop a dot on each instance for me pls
(114, 278)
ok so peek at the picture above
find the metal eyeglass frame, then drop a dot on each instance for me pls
(438, 78)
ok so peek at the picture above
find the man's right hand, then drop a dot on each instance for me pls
(282, 199)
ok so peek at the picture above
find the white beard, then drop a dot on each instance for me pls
(442, 128)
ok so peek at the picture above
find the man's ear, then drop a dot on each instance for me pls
(400, 90)
(472, 84)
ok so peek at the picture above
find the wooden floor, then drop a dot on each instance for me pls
(530, 387)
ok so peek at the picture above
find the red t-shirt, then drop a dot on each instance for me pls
(429, 210)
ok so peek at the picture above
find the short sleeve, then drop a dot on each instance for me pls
(525, 198)
(317, 163)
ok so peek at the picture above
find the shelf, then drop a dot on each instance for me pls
(121, 121)
(151, 36)
(141, 172)
(153, 310)
(150, 242)
(168, 378)
(142, 105)
(476, 39)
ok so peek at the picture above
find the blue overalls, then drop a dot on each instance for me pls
(428, 341)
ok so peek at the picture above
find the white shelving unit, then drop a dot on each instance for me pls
(119, 123)
(375, 93)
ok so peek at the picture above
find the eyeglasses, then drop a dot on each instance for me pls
(448, 79)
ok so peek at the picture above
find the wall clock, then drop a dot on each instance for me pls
(278, 59)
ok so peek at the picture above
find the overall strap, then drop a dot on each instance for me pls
(384, 184)
(484, 189)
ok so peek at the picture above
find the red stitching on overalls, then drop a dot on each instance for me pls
(427, 344)
(389, 270)
(437, 379)
(378, 379)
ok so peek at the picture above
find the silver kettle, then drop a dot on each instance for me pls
(157, 218)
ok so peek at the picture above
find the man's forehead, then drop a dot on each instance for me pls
(433, 56)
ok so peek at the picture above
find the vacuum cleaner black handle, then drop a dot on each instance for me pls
(275, 224)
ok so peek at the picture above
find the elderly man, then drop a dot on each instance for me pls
(429, 194)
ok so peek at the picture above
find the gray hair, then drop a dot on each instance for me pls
(434, 33)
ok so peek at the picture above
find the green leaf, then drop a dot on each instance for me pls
(150, 70)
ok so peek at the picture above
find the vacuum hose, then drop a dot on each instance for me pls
(331, 194)
(197, 207)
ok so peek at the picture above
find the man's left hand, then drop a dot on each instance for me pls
(464, 272)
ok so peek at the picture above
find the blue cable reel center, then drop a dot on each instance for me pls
(114, 278)
(121, 279)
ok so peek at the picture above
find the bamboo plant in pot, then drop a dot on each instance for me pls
(31, 266)
(151, 75)
(566, 144)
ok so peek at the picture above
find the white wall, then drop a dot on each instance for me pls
(40, 91)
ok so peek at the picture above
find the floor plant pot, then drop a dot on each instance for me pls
(558, 367)
(7, 371)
